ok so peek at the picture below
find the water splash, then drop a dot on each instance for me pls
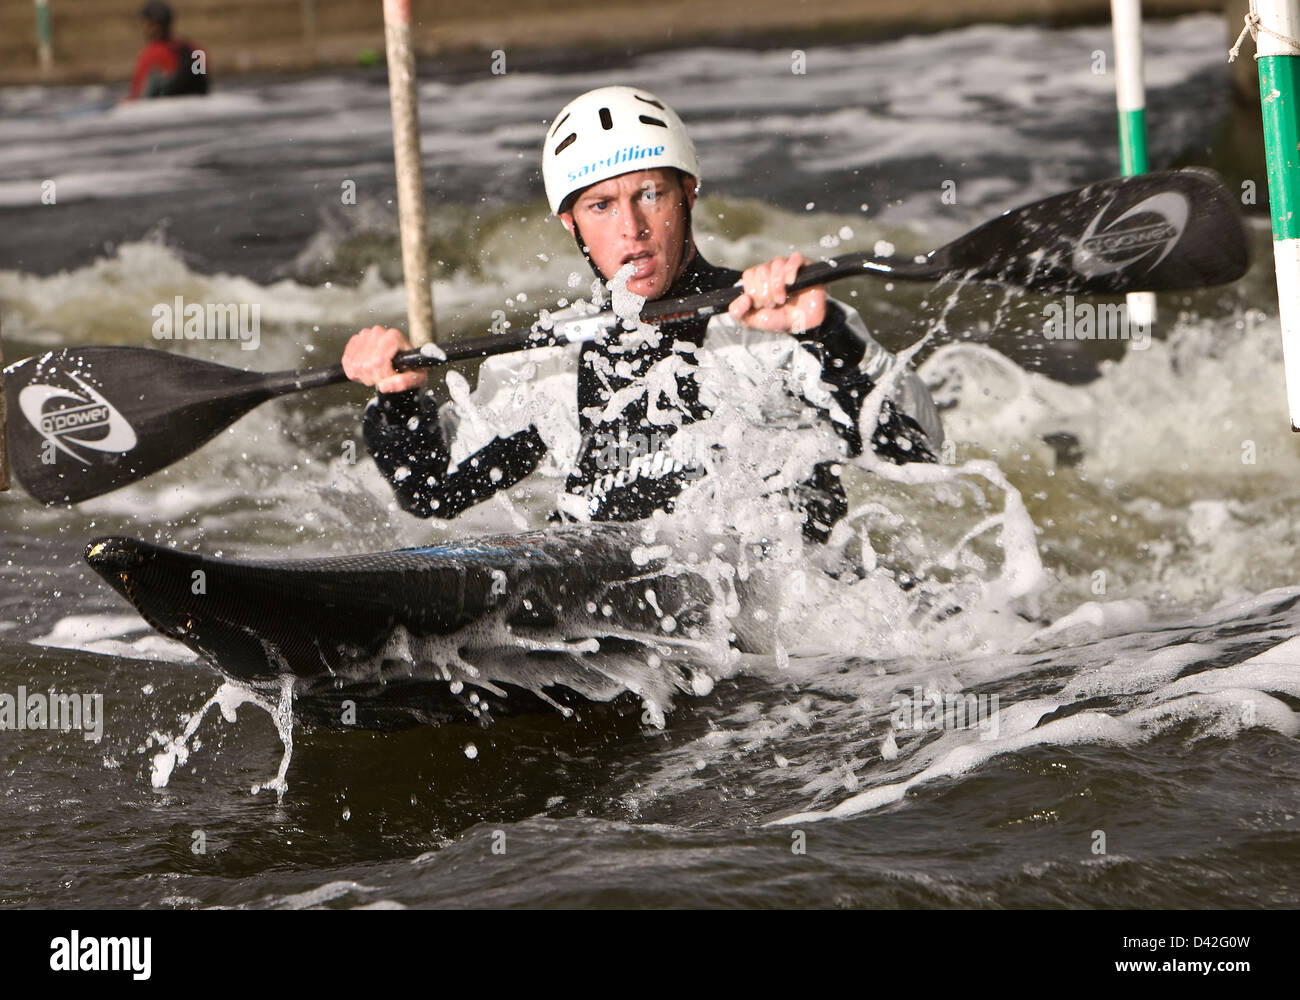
(228, 698)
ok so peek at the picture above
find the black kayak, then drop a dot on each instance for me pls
(491, 624)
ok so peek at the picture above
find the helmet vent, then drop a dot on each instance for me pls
(606, 122)
(653, 121)
(649, 101)
(569, 141)
(556, 127)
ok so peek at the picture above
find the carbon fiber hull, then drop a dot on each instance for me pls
(394, 624)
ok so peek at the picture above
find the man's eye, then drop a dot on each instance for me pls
(599, 206)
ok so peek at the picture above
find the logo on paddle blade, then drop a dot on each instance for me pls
(68, 419)
(1150, 228)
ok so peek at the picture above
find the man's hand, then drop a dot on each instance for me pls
(764, 305)
(368, 359)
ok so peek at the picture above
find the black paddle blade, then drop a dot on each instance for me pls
(86, 420)
(1154, 232)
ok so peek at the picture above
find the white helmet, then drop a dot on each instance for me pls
(611, 131)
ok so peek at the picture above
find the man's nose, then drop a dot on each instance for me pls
(633, 222)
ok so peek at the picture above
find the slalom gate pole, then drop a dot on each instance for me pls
(4, 430)
(44, 36)
(406, 154)
(1276, 27)
(1131, 100)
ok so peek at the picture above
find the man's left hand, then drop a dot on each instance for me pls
(765, 305)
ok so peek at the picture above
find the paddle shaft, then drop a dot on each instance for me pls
(666, 312)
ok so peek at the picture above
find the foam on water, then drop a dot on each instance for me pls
(328, 893)
(1176, 493)
(1221, 703)
(113, 634)
(987, 91)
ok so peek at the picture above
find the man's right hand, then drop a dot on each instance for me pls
(368, 359)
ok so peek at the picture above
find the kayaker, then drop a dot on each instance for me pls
(166, 66)
(622, 176)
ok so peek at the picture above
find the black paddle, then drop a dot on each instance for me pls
(92, 419)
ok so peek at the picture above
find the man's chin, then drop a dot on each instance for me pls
(650, 287)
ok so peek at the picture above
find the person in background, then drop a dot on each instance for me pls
(166, 66)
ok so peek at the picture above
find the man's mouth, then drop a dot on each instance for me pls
(643, 264)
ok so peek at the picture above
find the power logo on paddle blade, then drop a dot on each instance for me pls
(70, 420)
(1150, 230)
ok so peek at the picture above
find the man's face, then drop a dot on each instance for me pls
(637, 218)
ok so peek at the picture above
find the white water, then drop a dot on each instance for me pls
(1221, 703)
(961, 97)
(1161, 502)
(1008, 543)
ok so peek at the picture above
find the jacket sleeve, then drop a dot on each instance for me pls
(404, 435)
(152, 57)
(852, 362)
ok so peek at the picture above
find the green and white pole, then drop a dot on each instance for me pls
(1279, 93)
(1131, 100)
(44, 35)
